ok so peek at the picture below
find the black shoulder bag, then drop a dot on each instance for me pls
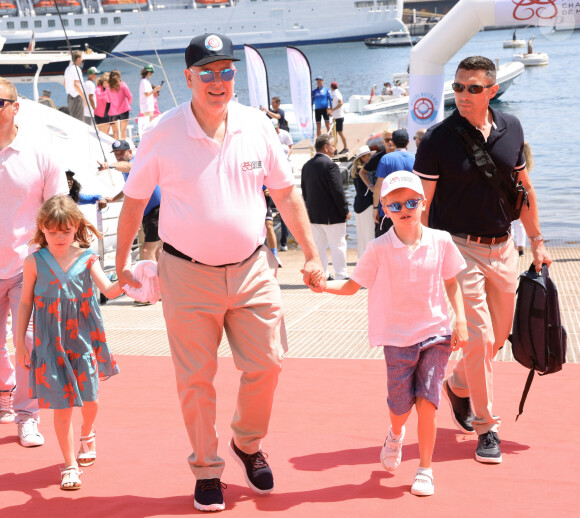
(514, 195)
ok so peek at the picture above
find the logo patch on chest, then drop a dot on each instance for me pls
(250, 166)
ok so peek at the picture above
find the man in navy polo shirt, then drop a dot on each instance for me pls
(468, 207)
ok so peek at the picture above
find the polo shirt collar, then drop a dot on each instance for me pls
(18, 143)
(194, 130)
(426, 238)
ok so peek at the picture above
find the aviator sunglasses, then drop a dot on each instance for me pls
(207, 76)
(410, 204)
(4, 101)
(472, 89)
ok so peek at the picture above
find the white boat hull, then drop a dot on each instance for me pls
(532, 60)
(262, 24)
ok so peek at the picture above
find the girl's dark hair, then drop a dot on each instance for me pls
(61, 212)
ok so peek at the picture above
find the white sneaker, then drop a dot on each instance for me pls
(29, 435)
(282, 248)
(392, 451)
(7, 414)
(423, 485)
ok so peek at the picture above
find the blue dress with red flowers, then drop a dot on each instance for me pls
(70, 351)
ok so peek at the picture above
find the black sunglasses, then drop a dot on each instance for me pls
(4, 101)
(472, 89)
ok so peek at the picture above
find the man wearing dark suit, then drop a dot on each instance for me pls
(326, 205)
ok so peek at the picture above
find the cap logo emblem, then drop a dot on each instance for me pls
(214, 43)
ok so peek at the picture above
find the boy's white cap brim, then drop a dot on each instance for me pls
(402, 180)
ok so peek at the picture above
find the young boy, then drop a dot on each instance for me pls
(408, 316)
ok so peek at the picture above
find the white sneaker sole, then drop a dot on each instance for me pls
(210, 508)
(31, 444)
(423, 492)
(488, 460)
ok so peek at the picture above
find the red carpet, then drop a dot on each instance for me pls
(328, 424)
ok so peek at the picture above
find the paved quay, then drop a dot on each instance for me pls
(323, 325)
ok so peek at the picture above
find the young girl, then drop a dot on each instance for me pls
(70, 351)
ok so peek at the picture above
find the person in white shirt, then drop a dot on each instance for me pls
(398, 90)
(337, 113)
(72, 83)
(31, 174)
(210, 158)
(147, 92)
(91, 98)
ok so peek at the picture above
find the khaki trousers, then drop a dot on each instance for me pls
(199, 302)
(488, 285)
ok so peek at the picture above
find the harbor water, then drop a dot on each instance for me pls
(543, 98)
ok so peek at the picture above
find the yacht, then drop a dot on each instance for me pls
(169, 25)
(393, 39)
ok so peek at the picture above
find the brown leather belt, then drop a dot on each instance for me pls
(484, 240)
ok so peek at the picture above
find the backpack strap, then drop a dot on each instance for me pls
(525, 392)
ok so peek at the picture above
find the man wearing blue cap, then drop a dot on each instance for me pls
(322, 99)
(211, 158)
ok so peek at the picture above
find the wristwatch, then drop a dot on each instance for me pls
(533, 239)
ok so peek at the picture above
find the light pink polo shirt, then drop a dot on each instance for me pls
(30, 175)
(406, 302)
(212, 205)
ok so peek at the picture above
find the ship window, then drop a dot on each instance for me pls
(52, 23)
(78, 21)
(104, 21)
(65, 23)
(10, 25)
(91, 21)
(117, 20)
(24, 25)
(37, 23)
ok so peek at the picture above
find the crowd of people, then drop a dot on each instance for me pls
(422, 235)
(105, 98)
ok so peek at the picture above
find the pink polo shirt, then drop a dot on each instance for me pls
(406, 302)
(120, 99)
(212, 205)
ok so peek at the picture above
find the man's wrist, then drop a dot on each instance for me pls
(536, 239)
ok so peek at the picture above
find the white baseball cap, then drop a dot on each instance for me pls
(400, 180)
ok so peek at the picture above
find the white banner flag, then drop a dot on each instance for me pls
(257, 78)
(557, 14)
(301, 90)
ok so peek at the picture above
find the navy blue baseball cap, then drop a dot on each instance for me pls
(121, 145)
(208, 48)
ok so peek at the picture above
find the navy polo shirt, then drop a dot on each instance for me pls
(464, 202)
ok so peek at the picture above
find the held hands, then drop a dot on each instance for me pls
(314, 277)
(459, 336)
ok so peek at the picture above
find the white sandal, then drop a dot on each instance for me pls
(86, 456)
(70, 475)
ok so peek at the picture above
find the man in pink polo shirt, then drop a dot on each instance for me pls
(210, 158)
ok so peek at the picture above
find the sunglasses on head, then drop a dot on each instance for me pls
(472, 89)
(410, 204)
(207, 76)
(4, 101)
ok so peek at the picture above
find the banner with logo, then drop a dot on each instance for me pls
(556, 14)
(301, 90)
(257, 78)
(426, 104)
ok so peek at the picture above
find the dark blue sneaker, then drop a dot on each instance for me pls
(209, 495)
(256, 470)
(460, 409)
(488, 450)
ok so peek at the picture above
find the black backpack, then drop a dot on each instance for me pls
(538, 338)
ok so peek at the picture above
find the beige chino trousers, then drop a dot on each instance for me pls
(488, 285)
(199, 303)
